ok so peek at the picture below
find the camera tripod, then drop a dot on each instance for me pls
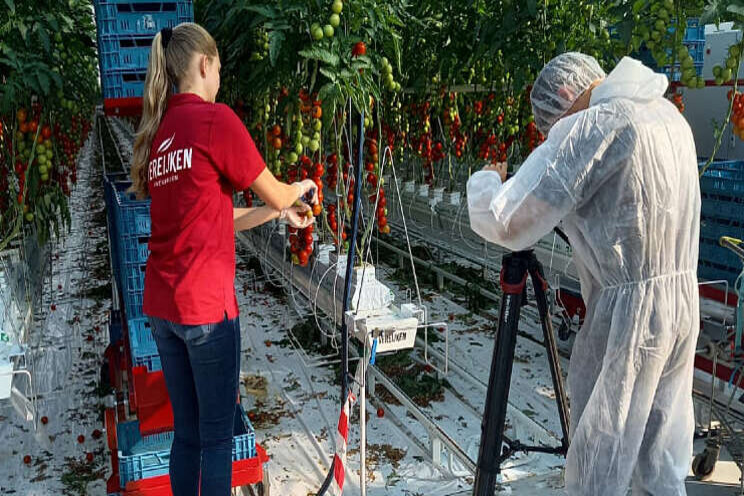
(514, 271)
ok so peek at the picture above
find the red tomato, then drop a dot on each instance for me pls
(46, 132)
(359, 49)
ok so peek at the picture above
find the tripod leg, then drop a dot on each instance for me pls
(540, 285)
(513, 279)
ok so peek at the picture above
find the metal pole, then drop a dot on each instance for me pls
(347, 283)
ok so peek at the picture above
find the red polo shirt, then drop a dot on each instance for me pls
(201, 152)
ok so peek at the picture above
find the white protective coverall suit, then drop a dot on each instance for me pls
(622, 176)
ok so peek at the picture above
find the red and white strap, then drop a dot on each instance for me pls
(342, 435)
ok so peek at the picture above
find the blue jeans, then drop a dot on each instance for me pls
(201, 365)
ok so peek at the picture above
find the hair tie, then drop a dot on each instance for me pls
(165, 36)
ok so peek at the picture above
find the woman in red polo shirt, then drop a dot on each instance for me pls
(189, 155)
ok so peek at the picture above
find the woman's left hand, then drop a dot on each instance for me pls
(299, 216)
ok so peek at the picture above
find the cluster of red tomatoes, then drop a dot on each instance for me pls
(533, 137)
(372, 179)
(460, 139)
(677, 101)
(301, 244)
(332, 218)
(492, 149)
(737, 114)
(332, 171)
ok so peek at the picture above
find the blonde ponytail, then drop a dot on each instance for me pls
(166, 68)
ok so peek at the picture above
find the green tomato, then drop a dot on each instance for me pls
(317, 33)
(29, 217)
(731, 63)
(317, 124)
(314, 146)
(49, 154)
(328, 31)
(316, 136)
(42, 159)
(292, 157)
(389, 80)
(717, 70)
(337, 7)
(299, 149)
(719, 80)
(726, 75)
(734, 51)
(700, 83)
(305, 140)
(387, 69)
(45, 177)
(335, 20)
(43, 170)
(398, 87)
(660, 25)
(21, 146)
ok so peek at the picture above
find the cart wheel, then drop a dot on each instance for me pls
(704, 463)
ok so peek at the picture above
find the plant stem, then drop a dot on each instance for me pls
(722, 127)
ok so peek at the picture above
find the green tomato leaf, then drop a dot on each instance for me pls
(736, 9)
(276, 38)
(320, 54)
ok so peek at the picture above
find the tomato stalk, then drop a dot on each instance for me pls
(722, 128)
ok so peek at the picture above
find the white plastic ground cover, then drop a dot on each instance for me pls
(65, 364)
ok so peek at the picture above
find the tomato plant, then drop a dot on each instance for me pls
(50, 84)
(444, 86)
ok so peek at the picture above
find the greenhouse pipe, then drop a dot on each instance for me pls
(347, 286)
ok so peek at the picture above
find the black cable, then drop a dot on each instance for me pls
(347, 287)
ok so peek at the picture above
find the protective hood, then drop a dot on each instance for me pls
(631, 80)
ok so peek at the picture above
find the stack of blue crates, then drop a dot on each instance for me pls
(694, 40)
(722, 191)
(141, 457)
(129, 219)
(125, 30)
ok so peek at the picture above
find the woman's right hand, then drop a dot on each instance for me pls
(308, 186)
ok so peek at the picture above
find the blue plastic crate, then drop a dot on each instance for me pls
(723, 207)
(735, 165)
(134, 249)
(133, 300)
(694, 32)
(723, 182)
(713, 272)
(696, 50)
(713, 253)
(142, 457)
(133, 216)
(142, 343)
(667, 69)
(127, 83)
(141, 16)
(118, 52)
(134, 277)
